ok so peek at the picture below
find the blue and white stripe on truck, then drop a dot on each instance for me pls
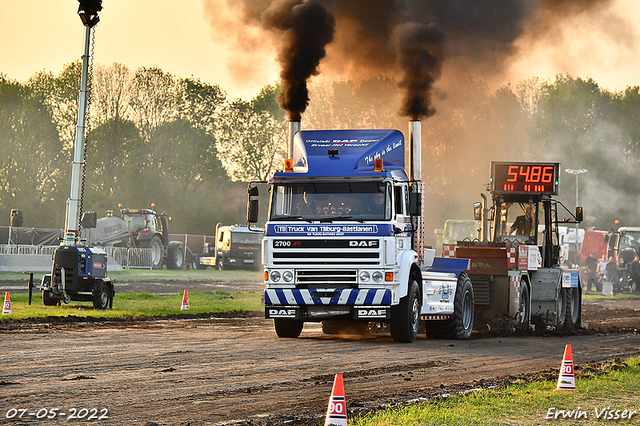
(348, 296)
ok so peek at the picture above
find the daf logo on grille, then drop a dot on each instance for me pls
(363, 243)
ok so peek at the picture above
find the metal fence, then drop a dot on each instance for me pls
(131, 258)
(127, 258)
(27, 249)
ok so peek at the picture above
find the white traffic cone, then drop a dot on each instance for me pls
(566, 378)
(185, 302)
(337, 410)
(7, 305)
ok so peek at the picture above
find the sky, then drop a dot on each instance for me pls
(178, 37)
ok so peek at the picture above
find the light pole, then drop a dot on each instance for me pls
(576, 172)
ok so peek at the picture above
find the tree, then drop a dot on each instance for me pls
(251, 143)
(30, 156)
(111, 93)
(153, 99)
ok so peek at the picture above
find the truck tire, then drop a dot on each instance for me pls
(155, 244)
(48, 299)
(574, 307)
(359, 328)
(287, 328)
(195, 263)
(101, 296)
(175, 255)
(219, 262)
(405, 316)
(561, 306)
(461, 324)
(331, 327)
(524, 308)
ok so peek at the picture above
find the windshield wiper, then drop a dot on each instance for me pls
(332, 218)
(287, 217)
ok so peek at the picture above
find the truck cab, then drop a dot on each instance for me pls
(344, 242)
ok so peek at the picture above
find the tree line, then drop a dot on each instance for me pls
(183, 145)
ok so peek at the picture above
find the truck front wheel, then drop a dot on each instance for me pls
(287, 327)
(405, 316)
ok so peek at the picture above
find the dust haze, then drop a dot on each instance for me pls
(440, 55)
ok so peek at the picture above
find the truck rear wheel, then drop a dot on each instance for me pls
(561, 306)
(574, 307)
(195, 263)
(175, 255)
(331, 327)
(405, 316)
(460, 326)
(287, 327)
(524, 307)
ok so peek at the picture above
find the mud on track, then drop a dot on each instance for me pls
(208, 371)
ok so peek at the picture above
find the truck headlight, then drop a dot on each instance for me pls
(275, 276)
(287, 276)
(364, 276)
(377, 276)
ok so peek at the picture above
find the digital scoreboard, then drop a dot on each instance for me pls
(525, 178)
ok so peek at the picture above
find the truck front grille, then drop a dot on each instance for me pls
(346, 278)
(360, 258)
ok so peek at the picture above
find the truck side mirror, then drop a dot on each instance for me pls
(415, 204)
(252, 211)
(579, 214)
(477, 211)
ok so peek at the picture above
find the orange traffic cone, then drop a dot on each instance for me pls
(185, 302)
(337, 410)
(7, 305)
(567, 378)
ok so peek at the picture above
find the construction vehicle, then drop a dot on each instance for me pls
(148, 229)
(140, 228)
(344, 241)
(79, 272)
(515, 270)
(623, 245)
(235, 247)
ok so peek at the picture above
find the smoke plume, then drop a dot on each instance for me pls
(305, 28)
(412, 42)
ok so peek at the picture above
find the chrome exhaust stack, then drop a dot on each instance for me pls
(417, 186)
(415, 146)
(294, 127)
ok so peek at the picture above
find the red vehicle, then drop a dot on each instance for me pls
(595, 242)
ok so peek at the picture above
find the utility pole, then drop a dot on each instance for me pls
(88, 12)
(576, 172)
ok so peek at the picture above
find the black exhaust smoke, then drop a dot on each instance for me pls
(306, 28)
(406, 40)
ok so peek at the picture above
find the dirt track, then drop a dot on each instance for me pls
(223, 371)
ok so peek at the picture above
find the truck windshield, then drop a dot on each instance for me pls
(331, 201)
(135, 222)
(246, 237)
(629, 239)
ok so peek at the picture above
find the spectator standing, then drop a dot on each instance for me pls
(592, 273)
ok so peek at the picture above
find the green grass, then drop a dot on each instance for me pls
(526, 403)
(138, 305)
(617, 296)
